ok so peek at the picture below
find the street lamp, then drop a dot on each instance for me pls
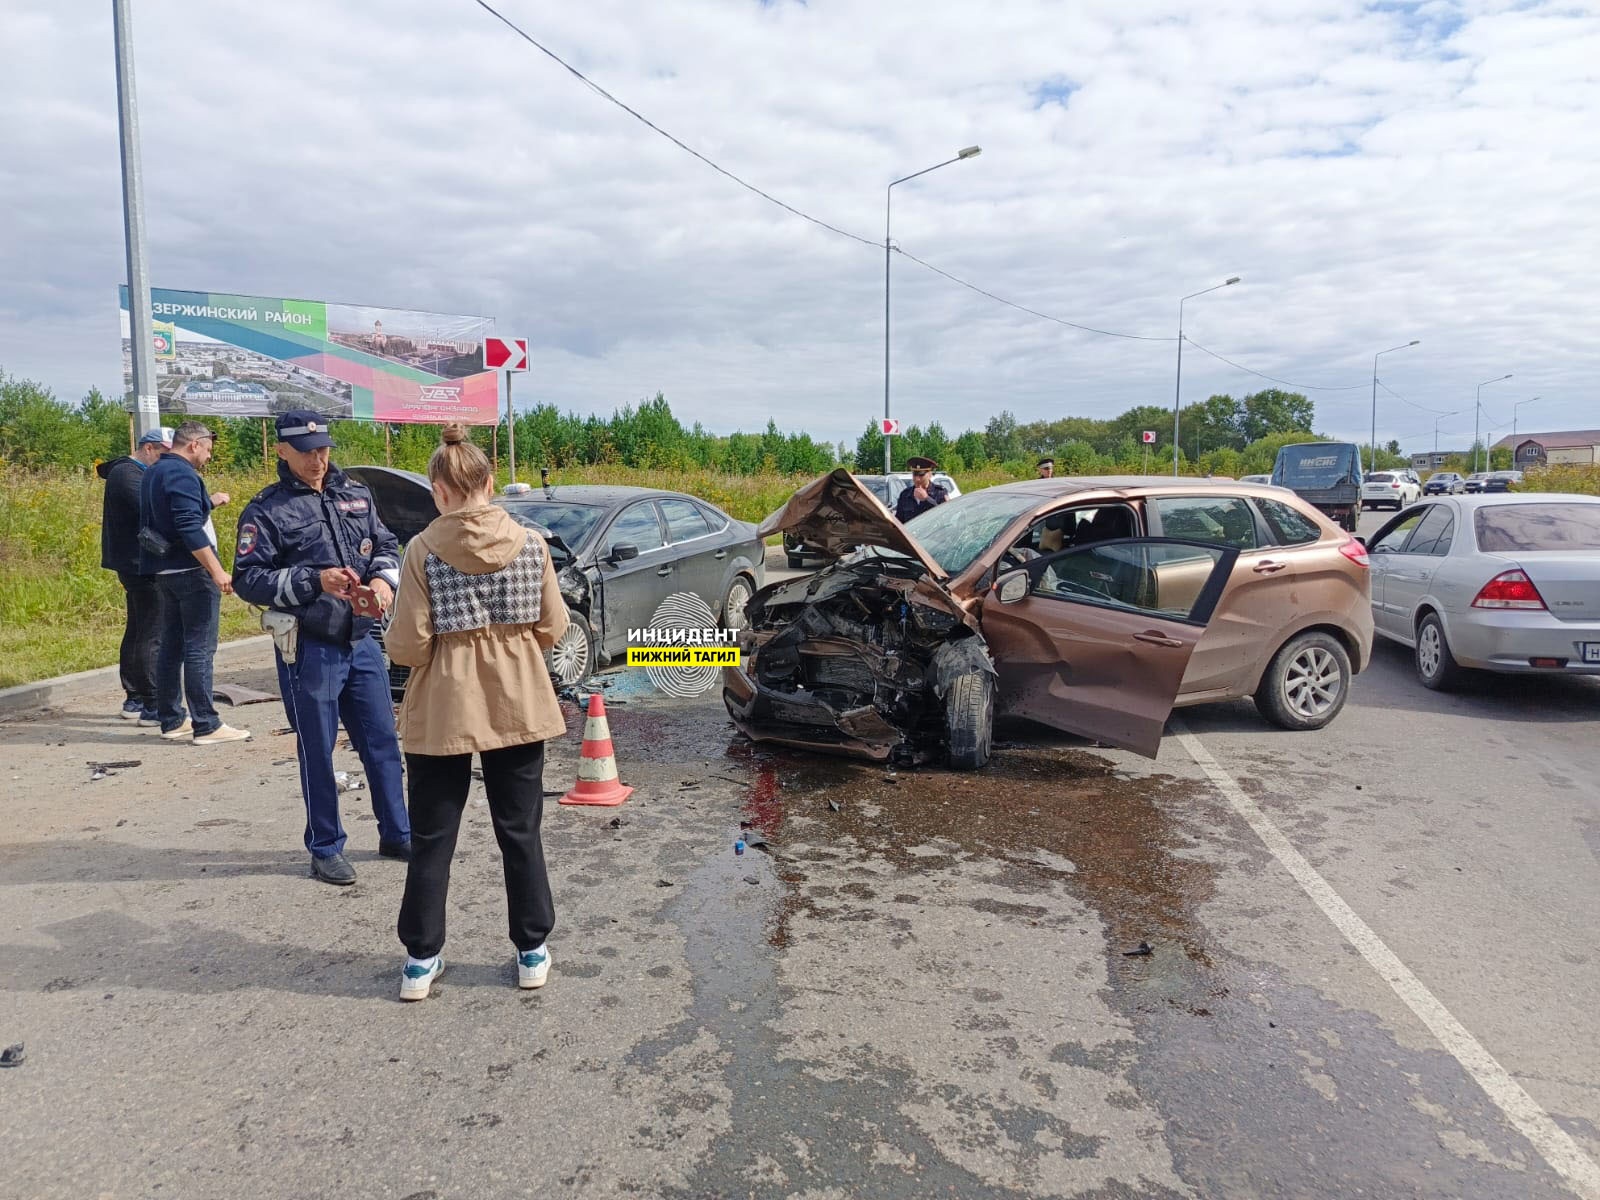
(888, 195)
(1373, 447)
(1477, 415)
(1436, 421)
(1177, 391)
(1514, 408)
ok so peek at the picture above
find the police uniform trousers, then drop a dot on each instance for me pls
(328, 684)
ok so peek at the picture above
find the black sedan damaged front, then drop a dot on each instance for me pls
(872, 657)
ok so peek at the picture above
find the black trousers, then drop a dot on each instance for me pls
(141, 637)
(514, 780)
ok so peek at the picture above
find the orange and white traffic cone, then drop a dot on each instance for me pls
(597, 763)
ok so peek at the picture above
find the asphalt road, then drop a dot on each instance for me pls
(1371, 968)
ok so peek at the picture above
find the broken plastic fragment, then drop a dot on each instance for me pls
(13, 1056)
(1142, 950)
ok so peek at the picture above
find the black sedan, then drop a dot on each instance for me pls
(619, 552)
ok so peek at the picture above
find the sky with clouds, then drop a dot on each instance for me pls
(1375, 173)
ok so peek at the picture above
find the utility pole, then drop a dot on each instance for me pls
(147, 403)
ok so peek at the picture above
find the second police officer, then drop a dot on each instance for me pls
(314, 553)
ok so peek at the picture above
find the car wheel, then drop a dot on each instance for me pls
(1307, 682)
(733, 604)
(1436, 666)
(796, 561)
(571, 659)
(969, 721)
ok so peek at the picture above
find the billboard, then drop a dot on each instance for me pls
(255, 356)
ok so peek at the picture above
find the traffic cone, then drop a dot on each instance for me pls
(597, 763)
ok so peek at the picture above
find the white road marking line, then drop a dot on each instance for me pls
(1558, 1149)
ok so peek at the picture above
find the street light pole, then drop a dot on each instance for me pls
(147, 403)
(1477, 416)
(1177, 391)
(888, 197)
(1436, 421)
(1514, 409)
(1372, 456)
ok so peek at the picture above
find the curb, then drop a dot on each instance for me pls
(28, 699)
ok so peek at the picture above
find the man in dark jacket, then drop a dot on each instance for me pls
(119, 552)
(178, 545)
(923, 493)
(314, 553)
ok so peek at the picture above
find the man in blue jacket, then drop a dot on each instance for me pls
(119, 552)
(314, 553)
(178, 545)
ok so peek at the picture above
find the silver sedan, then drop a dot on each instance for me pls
(1491, 582)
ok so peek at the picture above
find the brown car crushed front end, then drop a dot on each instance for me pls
(855, 660)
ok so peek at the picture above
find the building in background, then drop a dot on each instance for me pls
(1581, 446)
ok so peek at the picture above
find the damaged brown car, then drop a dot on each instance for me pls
(1079, 604)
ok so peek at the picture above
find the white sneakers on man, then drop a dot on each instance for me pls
(222, 733)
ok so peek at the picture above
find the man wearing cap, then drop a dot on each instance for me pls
(923, 493)
(1047, 468)
(314, 553)
(119, 552)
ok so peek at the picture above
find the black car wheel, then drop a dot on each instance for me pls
(969, 721)
(1436, 666)
(571, 659)
(796, 561)
(1307, 682)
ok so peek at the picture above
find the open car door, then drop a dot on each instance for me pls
(1095, 640)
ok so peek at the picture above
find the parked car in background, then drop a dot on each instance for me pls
(1388, 489)
(1092, 605)
(1499, 583)
(1475, 483)
(1444, 483)
(886, 488)
(619, 552)
(1326, 475)
(1502, 481)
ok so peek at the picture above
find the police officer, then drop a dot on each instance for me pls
(923, 493)
(312, 551)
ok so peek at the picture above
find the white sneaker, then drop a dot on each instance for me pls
(532, 967)
(417, 978)
(183, 730)
(222, 733)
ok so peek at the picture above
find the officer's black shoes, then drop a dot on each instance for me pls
(400, 850)
(334, 869)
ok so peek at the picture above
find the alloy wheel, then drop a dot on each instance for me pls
(733, 609)
(1313, 682)
(569, 657)
(1429, 650)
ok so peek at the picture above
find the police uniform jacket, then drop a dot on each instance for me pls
(908, 506)
(289, 534)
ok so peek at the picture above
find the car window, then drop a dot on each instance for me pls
(572, 523)
(637, 526)
(1166, 581)
(1394, 539)
(960, 529)
(1380, 477)
(1226, 520)
(1289, 526)
(716, 520)
(1510, 528)
(1436, 526)
(684, 520)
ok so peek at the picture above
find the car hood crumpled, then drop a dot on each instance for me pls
(836, 514)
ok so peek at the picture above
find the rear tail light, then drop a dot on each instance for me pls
(1396, 486)
(1509, 589)
(1356, 553)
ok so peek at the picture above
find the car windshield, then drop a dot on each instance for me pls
(1379, 477)
(959, 530)
(572, 523)
(1518, 528)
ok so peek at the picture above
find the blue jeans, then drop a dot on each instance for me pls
(327, 685)
(188, 644)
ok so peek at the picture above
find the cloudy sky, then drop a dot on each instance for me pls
(1375, 173)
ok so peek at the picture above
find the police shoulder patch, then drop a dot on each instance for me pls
(247, 539)
(366, 547)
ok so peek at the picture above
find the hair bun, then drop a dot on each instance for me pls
(453, 434)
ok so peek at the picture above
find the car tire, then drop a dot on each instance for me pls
(571, 660)
(1293, 693)
(739, 593)
(796, 561)
(1437, 668)
(969, 721)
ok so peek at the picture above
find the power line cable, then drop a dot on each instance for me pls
(1309, 387)
(1437, 412)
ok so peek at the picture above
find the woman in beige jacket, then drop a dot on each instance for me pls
(477, 608)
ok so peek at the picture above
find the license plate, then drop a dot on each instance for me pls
(1591, 651)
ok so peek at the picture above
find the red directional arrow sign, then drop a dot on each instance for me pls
(505, 354)
(890, 426)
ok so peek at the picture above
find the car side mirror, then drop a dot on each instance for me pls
(1012, 587)
(622, 553)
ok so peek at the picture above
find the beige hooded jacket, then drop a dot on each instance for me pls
(477, 608)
